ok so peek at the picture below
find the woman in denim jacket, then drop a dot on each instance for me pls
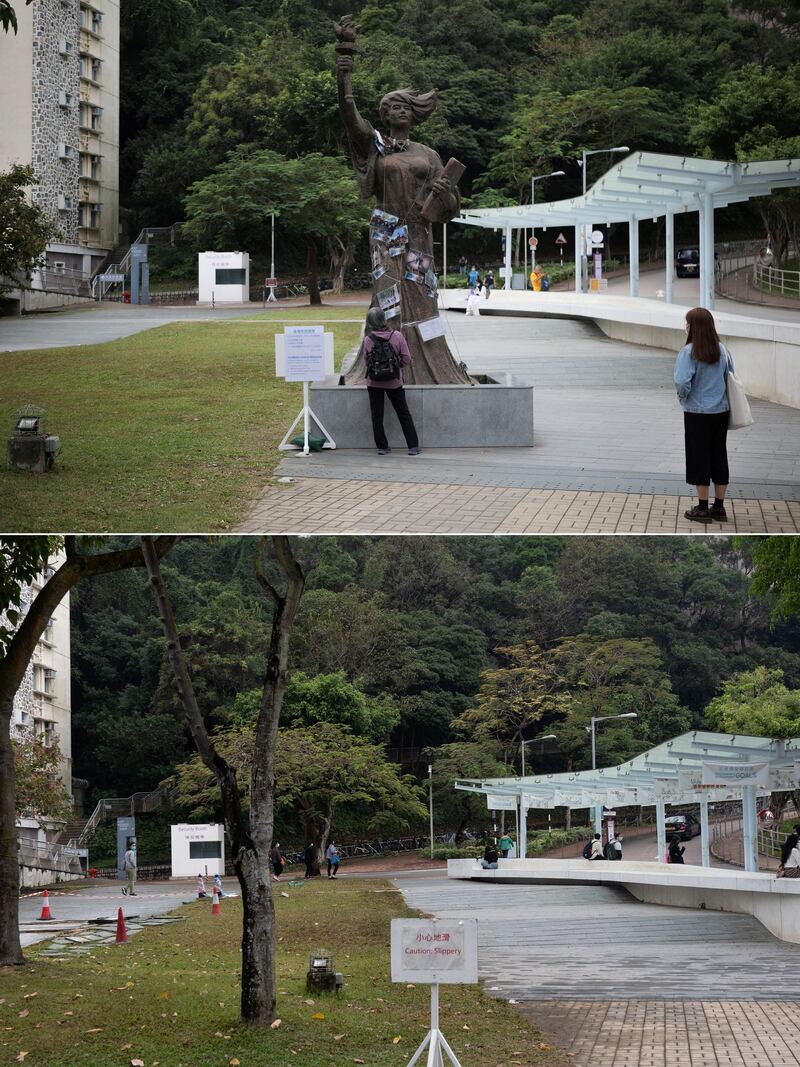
(701, 372)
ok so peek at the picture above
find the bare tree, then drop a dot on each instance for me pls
(250, 837)
(18, 651)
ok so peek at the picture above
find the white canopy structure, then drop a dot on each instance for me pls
(647, 185)
(694, 768)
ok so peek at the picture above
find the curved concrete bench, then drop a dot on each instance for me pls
(766, 351)
(775, 902)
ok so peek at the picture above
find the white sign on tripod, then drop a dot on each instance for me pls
(304, 354)
(435, 951)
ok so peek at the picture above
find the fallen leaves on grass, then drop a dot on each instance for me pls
(21, 1056)
(396, 1040)
(274, 1025)
(22, 1014)
(318, 1015)
(94, 1030)
(28, 996)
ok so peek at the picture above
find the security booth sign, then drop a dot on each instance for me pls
(435, 951)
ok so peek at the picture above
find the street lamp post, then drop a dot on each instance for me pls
(523, 824)
(537, 178)
(430, 802)
(272, 259)
(584, 257)
(598, 810)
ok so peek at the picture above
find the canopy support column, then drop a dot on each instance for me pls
(444, 256)
(578, 259)
(707, 252)
(704, 841)
(508, 258)
(670, 256)
(522, 849)
(633, 253)
(749, 828)
(661, 830)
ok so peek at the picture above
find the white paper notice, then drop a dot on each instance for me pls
(431, 328)
(435, 950)
(304, 353)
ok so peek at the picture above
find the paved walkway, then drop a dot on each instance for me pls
(607, 455)
(619, 983)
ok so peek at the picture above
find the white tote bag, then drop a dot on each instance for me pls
(740, 415)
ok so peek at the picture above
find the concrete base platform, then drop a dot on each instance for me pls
(496, 413)
(774, 902)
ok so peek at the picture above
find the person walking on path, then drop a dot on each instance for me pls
(505, 844)
(277, 861)
(472, 277)
(597, 848)
(218, 886)
(489, 280)
(310, 857)
(473, 301)
(333, 858)
(201, 888)
(701, 374)
(129, 866)
(462, 265)
(386, 353)
(676, 849)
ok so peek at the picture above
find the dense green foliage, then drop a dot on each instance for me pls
(24, 228)
(524, 86)
(440, 650)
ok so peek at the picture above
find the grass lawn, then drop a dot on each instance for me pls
(172, 429)
(171, 996)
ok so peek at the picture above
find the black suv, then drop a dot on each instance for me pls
(687, 263)
(685, 826)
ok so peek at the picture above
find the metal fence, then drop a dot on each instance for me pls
(774, 280)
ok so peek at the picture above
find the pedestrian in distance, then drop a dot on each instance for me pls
(334, 859)
(505, 844)
(512, 852)
(597, 848)
(462, 265)
(201, 888)
(277, 861)
(489, 280)
(473, 277)
(617, 848)
(386, 352)
(129, 865)
(701, 374)
(790, 858)
(676, 849)
(310, 857)
(218, 886)
(473, 301)
(490, 857)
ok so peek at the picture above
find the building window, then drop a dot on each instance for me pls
(94, 167)
(97, 114)
(96, 66)
(205, 850)
(231, 277)
(97, 22)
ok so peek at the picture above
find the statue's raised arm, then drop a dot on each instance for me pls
(358, 129)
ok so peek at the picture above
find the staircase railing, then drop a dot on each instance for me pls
(116, 807)
(149, 235)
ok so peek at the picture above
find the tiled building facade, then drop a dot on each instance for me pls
(59, 100)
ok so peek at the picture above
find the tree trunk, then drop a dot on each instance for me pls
(341, 262)
(251, 837)
(568, 818)
(313, 277)
(10, 950)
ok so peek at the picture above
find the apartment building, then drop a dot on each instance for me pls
(42, 703)
(59, 111)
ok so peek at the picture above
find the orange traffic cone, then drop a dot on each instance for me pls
(122, 933)
(215, 908)
(45, 907)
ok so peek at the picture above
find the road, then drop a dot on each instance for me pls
(101, 901)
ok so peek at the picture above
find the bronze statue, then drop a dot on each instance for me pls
(412, 189)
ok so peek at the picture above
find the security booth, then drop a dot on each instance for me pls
(197, 848)
(223, 277)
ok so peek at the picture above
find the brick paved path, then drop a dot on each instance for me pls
(320, 505)
(620, 983)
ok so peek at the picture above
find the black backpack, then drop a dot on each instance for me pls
(587, 850)
(383, 362)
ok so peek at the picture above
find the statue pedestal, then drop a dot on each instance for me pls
(497, 413)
